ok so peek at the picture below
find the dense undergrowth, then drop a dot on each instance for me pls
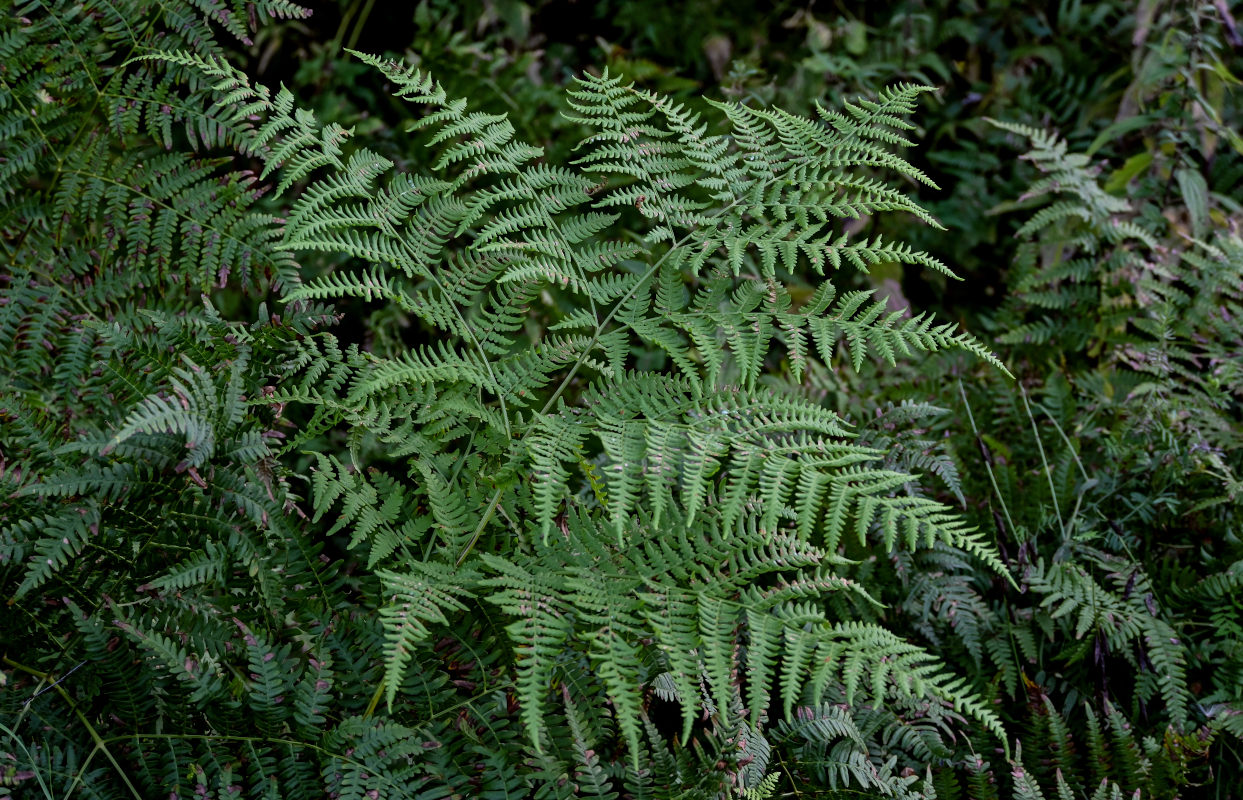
(621, 400)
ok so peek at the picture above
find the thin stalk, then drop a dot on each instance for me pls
(1048, 473)
(1066, 439)
(100, 744)
(992, 479)
(12, 733)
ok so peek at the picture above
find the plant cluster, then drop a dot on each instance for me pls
(470, 424)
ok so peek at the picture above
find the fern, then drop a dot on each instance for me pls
(615, 483)
(740, 477)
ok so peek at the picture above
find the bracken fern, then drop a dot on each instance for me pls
(649, 527)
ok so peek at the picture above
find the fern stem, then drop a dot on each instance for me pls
(375, 699)
(1048, 473)
(621, 302)
(100, 744)
(360, 24)
(1074, 514)
(578, 363)
(12, 734)
(466, 329)
(88, 117)
(483, 522)
(992, 478)
(582, 357)
(1088, 482)
(1073, 453)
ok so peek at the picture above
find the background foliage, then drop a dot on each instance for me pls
(590, 472)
